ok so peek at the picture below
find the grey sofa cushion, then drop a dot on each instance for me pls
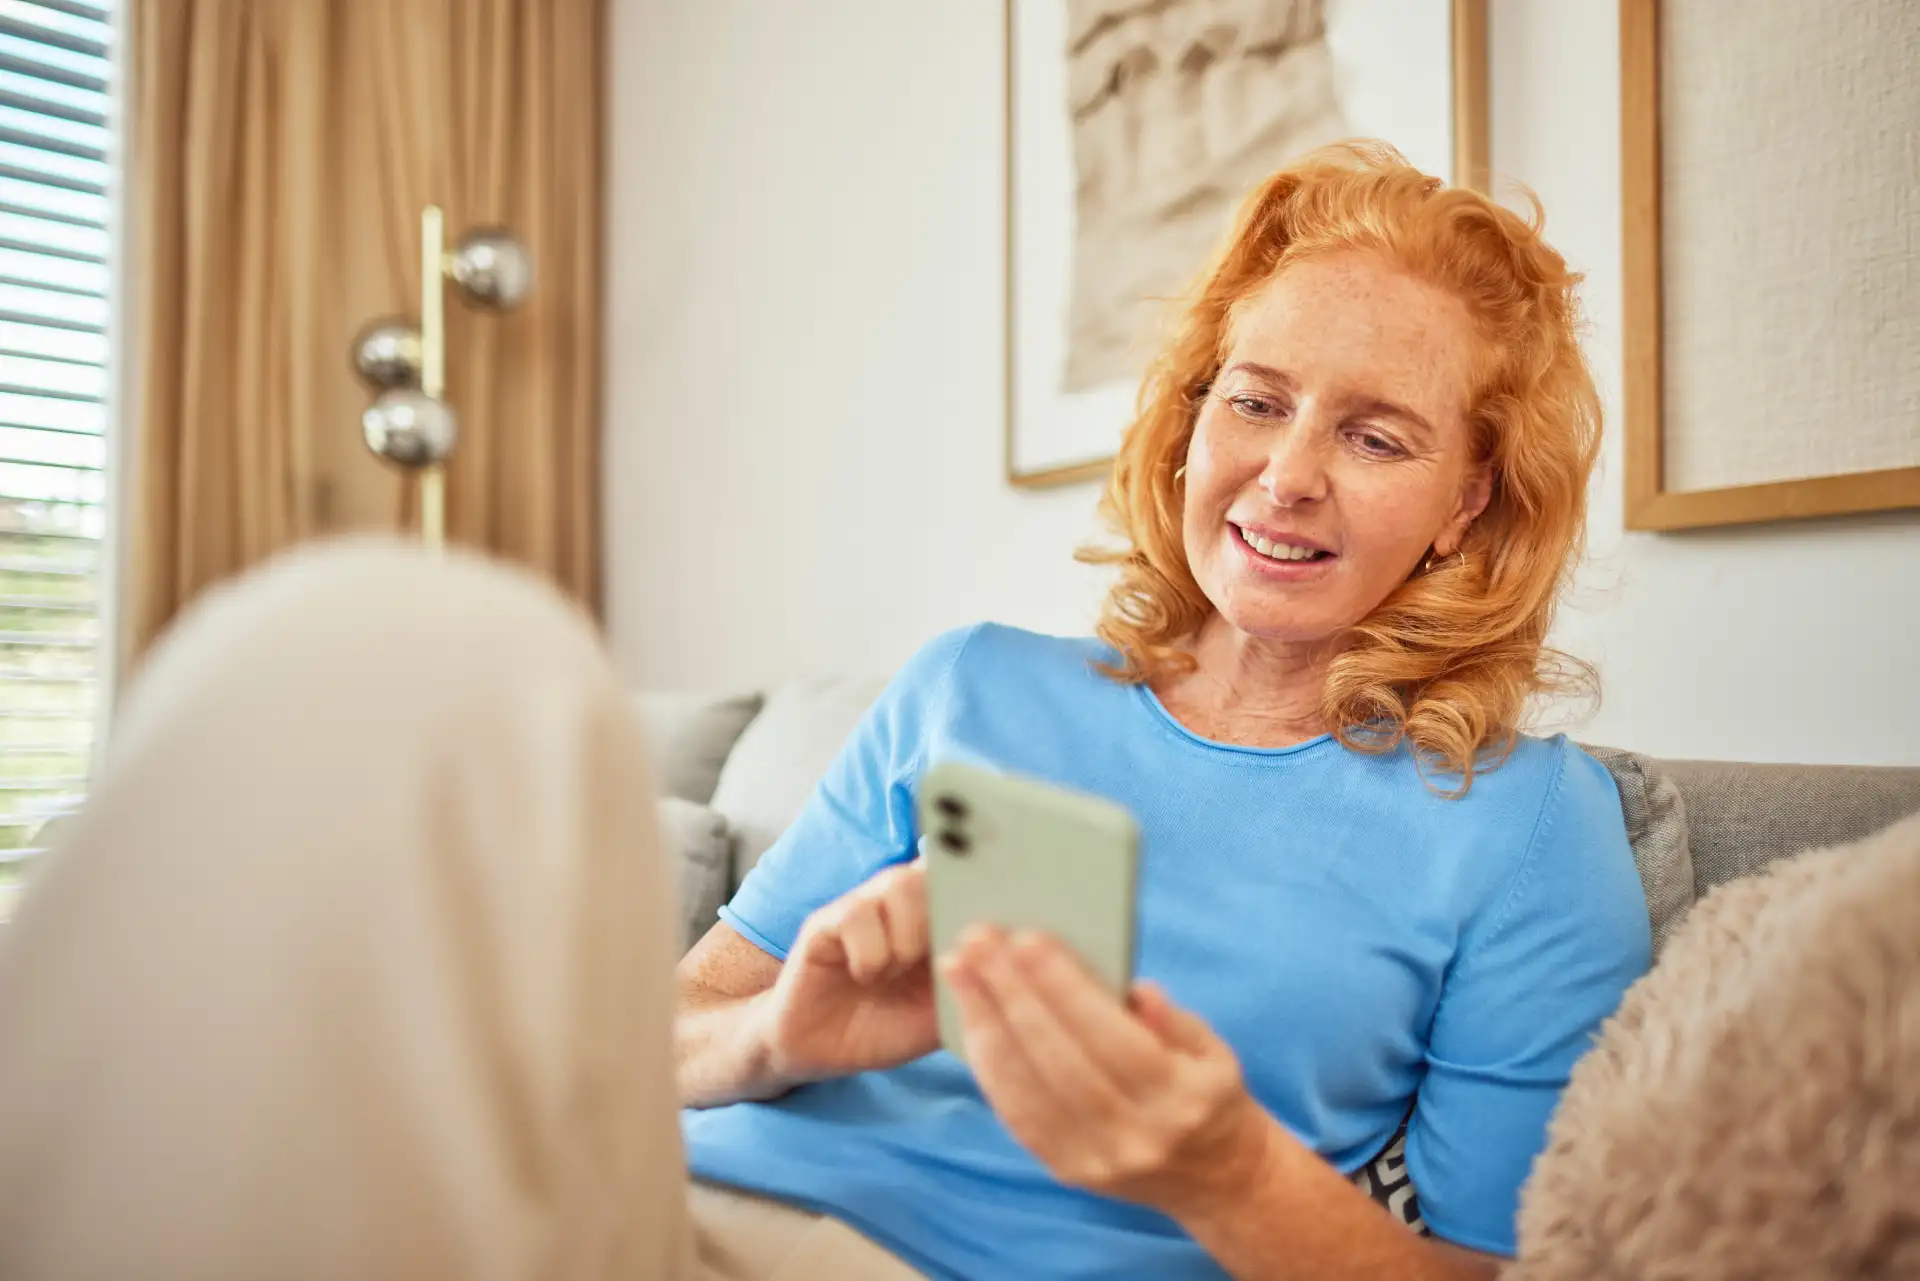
(693, 840)
(1657, 829)
(689, 736)
(780, 757)
(1742, 817)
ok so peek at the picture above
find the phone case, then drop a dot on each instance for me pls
(1023, 854)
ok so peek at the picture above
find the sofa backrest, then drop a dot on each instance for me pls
(1741, 817)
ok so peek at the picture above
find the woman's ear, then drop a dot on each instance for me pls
(1475, 493)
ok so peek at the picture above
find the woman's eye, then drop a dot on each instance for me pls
(1248, 405)
(1376, 445)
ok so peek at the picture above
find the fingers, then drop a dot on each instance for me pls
(1180, 1029)
(1130, 1053)
(1091, 1048)
(878, 931)
(903, 908)
(1007, 1074)
(1069, 1061)
(863, 934)
(1137, 1102)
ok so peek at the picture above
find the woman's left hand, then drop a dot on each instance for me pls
(1141, 1101)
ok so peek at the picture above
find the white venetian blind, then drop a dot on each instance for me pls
(55, 188)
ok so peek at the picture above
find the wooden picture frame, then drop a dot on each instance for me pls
(1650, 504)
(1467, 68)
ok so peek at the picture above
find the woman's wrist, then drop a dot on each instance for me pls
(763, 1070)
(1270, 1207)
(1254, 1151)
(727, 1053)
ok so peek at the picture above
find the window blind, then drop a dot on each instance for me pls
(56, 185)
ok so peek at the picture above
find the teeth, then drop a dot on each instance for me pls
(1275, 551)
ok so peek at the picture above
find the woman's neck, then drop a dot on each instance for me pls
(1249, 692)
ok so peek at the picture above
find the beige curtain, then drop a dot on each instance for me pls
(281, 152)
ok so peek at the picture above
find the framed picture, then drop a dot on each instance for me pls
(1772, 322)
(1133, 129)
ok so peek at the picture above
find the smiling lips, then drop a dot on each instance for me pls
(1283, 551)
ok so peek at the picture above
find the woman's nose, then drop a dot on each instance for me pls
(1296, 470)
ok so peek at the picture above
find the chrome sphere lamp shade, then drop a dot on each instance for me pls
(409, 422)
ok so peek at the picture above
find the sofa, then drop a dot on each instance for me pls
(734, 769)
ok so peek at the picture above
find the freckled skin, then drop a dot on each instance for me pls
(1338, 417)
(1346, 330)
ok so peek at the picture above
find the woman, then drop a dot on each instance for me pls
(1354, 486)
(353, 966)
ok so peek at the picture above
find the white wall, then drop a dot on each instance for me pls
(1784, 642)
(803, 467)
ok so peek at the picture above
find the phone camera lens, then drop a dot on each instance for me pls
(954, 841)
(952, 806)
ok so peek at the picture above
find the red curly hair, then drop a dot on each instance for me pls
(1449, 659)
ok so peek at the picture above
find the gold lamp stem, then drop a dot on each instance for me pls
(433, 364)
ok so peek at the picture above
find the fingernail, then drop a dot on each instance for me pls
(959, 978)
(975, 937)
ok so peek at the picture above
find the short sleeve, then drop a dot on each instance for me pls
(859, 818)
(1542, 967)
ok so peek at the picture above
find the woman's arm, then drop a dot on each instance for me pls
(1536, 973)
(719, 1050)
(854, 995)
(763, 1007)
(1146, 1102)
(1296, 1216)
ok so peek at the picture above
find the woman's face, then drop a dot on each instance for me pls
(1332, 452)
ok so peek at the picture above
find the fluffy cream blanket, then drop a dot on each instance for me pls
(1753, 1110)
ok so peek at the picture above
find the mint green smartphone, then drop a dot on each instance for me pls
(1027, 855)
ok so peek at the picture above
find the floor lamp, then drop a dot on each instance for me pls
(409, 422)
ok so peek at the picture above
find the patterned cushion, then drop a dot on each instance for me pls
(1386, 1180)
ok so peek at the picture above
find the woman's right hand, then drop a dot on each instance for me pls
(856, 992)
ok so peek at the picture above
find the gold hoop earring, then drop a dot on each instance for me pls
(1427, 566)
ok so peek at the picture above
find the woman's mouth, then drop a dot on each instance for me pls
(1279, 551)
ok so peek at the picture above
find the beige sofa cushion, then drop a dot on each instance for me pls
(780, 757)
(689, 736)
